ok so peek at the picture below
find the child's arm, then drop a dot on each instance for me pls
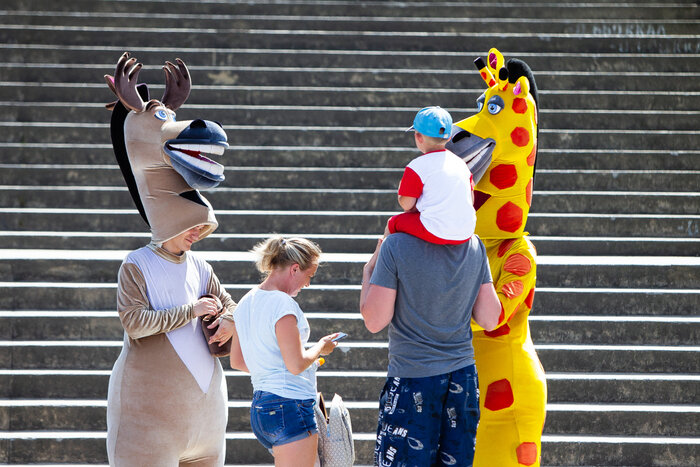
(407, 203)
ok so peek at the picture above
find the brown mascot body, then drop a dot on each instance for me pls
(167, 393)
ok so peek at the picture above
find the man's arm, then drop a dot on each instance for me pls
(487, 307)
(376, 302)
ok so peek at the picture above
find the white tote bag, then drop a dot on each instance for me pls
(335, 445)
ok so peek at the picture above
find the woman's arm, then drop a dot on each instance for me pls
(236, 358)
(296, 357)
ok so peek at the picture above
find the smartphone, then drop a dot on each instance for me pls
(341, 335)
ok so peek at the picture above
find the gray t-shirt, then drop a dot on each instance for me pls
(436, 287)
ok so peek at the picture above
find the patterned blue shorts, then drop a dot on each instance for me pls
(428, 421)
(278, 420)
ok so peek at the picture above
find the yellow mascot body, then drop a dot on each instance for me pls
(511, 379)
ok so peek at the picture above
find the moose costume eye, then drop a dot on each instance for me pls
(496, 104)
(161, 115)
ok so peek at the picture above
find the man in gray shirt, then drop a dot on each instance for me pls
(427, 294)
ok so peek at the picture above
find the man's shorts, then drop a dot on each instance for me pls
(277, 420)
(428, 421)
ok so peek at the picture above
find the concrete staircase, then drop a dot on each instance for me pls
(313, 96)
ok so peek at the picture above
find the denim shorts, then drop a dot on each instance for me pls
(428, 421)
(277, 420)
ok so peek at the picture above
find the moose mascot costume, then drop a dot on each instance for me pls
(167, 392)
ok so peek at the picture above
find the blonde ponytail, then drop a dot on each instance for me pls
(279, 252)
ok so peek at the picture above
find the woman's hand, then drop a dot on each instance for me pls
(327, 345)
(206, 306)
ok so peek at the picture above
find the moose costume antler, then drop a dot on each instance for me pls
(163, 160)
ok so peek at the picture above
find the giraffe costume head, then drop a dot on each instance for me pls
(504, 128)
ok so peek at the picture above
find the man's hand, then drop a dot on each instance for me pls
(207, 306)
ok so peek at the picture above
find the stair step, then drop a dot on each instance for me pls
(346, 268)
(133, 37)
(351, 199)
(560, 301)
(275, 75)
(14, 132)
(57, 154)
(545, 329)
(88, 447)
(337, 222)
(372, 356)
(344, 179)
(562, 419)
(571, 387)
(582, 246)
(460, 60)
(446, 97)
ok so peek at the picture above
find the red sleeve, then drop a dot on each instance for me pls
(411, 184)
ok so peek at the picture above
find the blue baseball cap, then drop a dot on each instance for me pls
(433, 121)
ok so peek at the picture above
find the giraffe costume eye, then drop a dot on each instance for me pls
(496, 104)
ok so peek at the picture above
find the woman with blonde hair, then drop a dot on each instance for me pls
(269, 342)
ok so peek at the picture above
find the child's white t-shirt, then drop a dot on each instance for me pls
(443, 184)
(255, 318)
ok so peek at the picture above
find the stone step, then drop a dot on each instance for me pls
(100, 266)
(86, 133)
(243, 448)
(560, 301)
(349, 76)
(575, 387)
(447, 97)
(545, 329)
(333, 222)
(369, 116)
(593, 10)
(562, 419)
(459, 61)
(116, 197)
(582, 246)
(372, 356)
(132, 37)
(683, 183)
(383, 23)
(306, 156)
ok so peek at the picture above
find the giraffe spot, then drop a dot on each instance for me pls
(530, 298)
(503, 176)
(505, 246)
(533, 154)
(499, 395)
(517, 264)
(520, 136)
(526, 453)
(502, 314)
(528, 193)
(484, 76)
(509, 217)
(500, 331)
(492, 82)
(512, 289)
(519, 105)
(480, 198)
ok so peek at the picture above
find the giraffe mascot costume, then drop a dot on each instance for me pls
(511, 379)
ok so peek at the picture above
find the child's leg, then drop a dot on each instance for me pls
(410, 223)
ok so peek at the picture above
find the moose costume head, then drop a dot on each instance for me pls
(162, 159)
